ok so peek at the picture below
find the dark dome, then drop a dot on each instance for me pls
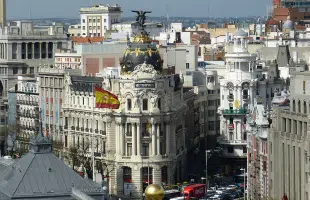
(137, 54)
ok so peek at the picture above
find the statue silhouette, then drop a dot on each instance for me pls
(141, 17)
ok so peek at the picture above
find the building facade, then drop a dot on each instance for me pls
(143, 140)
(27, 109)
(96, 20)
(51, 93)
(245, 80)
(257, 129)
(289, 143)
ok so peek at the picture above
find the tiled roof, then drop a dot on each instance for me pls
(40, 176)
(82, 40)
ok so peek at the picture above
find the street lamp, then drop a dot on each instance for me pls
(244, 171)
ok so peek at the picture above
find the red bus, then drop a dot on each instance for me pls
(194, 191)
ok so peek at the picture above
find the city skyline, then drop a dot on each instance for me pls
(31, 9)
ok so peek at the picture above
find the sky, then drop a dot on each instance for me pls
(23, 9)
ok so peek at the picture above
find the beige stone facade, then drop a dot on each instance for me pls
(289, 143)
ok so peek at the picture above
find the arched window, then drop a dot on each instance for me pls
(294, 106)
(299, 106)
(164, 174)
(305, 107)
(127, 177)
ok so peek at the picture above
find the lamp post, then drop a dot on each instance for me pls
(244, 171)
(142, 175)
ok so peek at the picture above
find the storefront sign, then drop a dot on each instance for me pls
(145, 85)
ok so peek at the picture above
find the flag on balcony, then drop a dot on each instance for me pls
(105, 99)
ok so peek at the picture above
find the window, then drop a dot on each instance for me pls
(129, 106)
(187, 65)
(129, 149)
(210, 102)
(15, 70)
(145, 104)
(244, 149)
(66, 141)
(94, 20)
(31, 70)
(84, 22)
(159, 103)
(129, 129)
(211, 126)
(211, 113)
(98, 20)
(145, 149)
(105, 20)
(304, 86)
(230, 149)
(24, 70)
(83, 27)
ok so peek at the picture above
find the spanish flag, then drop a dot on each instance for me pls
(105, 99)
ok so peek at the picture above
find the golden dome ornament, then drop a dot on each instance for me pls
(154, 192)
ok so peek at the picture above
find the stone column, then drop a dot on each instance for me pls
(122, 133)
(26, 50)
(54, 49)
(167, 138)
(153, 139)
(46, 49)
(32, 50)
(40, 49)
(134, 139)
(158, 139)
(138, 139)
(117, 137)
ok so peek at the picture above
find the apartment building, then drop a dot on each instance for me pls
(97, 19)
(288, 143)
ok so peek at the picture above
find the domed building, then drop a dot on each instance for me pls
(143, 141)
(288, 25)
(139, 51)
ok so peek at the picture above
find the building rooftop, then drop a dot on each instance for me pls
(83, 40)
(41, 175)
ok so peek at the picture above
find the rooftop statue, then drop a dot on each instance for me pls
(141, 17)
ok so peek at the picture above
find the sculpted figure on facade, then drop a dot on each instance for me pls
(68, 79)
(154, 100)
(137, 100)
(144, 69)
(106, 84)
(181, 77)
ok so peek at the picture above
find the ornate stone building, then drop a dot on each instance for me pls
(144, 139)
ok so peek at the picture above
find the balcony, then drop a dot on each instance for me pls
(231, 126)
(233, 142)
(235, 112)
(230, 97)
(245, 97)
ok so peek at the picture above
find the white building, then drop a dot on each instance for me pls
(244, 81)
(143, 140)
(75, 30)
(27, 107)
(66, 59)
(96, 20)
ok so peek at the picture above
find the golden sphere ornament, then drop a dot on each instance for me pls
(154, 192)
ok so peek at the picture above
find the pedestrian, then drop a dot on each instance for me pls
(284, 197)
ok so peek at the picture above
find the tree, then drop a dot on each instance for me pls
(81, 155)
(10, 133)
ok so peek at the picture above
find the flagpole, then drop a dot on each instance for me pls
(92, 142)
